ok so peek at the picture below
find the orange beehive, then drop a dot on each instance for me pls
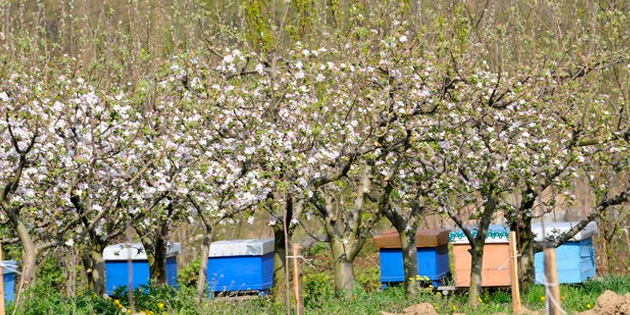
(495, 267)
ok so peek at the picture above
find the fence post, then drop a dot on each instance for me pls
(551, 275)
(297, 280)
(516, 294)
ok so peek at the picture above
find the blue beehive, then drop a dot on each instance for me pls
(241, 265)
(9, 267)
(117, 265)
(575, 259)
(432, 253)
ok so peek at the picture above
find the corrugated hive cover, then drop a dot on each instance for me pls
(252, 247)
(555, 229)
(135, 251)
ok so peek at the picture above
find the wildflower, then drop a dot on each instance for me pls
(542, 298)
(160, 305)
(589, 306)
(479, 299)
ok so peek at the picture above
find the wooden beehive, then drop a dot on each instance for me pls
(432, 253)
(575, 259)
(495, 266)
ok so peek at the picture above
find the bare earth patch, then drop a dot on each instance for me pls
(418, 309)
(611, 303)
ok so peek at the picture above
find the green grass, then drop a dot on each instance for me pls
(319, 299)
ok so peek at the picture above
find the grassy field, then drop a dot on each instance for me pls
(168, 301)
(48, 298)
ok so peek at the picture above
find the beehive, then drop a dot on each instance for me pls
(117, 265)
(495, 262)
(432, 253)
(9, 268)
(241, 265)
(575, 259)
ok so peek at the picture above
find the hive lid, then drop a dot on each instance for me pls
(135, 251)
(496, 234)
(555, 229)
(252, 247)
(424, 238)
(9, 266)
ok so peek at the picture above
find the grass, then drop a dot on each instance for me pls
(46, 300)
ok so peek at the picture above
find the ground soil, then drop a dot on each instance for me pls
(418, 309)
(611, 303)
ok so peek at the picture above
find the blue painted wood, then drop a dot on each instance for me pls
(575, 261)
(8, 277)
(117, 273)
(240, 273)
(432, 263)
(171, 271)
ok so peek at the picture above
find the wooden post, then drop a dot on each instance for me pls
(2, 311)
(551, 275)
(297, 280)
(516, 293)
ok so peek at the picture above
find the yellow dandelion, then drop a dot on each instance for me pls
(542, 298)
(160, 305)
(589, 306)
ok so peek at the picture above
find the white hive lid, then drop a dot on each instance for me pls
(9, 266)
(555, 229)
(253, 247)
(135, 251)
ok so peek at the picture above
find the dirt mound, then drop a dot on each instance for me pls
(418, 309)
(611, 303)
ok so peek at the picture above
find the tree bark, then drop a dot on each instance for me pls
(344, 269)
(527, 274)
(202, 281)
(29, 251)
(157, 267)
(94, 266)
(475, 289)
(279, 268)
(410, 260)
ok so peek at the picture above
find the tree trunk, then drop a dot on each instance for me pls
(157, 268)
(29, 256)
(476, 264)
(202, 282)
(410, 260)
(344, 269)
(29, 251)
(525, 244)
(279, 268)
(94, 266)
(407, 228)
